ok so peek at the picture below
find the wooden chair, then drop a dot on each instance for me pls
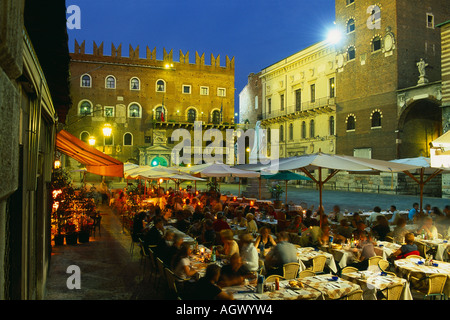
(422, 247)
(272, 278)
(391, 273)
(389, 239)
(393, 292)
(171, 282)
(349, 270)
(318, 263)
(306, 273)
(354, 295)
(435, 287)
(162, 274)
(290, 270)
(384, 265)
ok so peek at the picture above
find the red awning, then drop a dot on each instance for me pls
(95, 161)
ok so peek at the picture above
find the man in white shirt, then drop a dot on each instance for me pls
(373, 216)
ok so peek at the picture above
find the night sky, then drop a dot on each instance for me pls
(257, 33)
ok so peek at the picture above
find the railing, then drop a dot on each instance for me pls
(305, 106)
(186, 120)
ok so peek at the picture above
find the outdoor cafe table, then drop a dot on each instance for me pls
(306, 254)
(373, 281)
(440, 245)
(186, 238)
(248, 292)
(410, 267)
(330, 289)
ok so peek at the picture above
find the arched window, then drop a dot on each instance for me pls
(291, 131)
(86, 81)
(110, 82)
(160, 86)
(331, 126)
(191, 115)
(216, 117)
(85, 108)
(281, 133)
(350, 25)
(311, 129)
(160, 114)
(127, 139)
(376, 119)
(351, 122)
(303, 130)
(134, 111)
(135, 84)
(109, 141)
(84, 136)
(351, 53)
(376, 43)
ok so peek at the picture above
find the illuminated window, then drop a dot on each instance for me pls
(160, 86)
(221, 92)
(134, 111)
(204, 91)
(85, 108)
(135, 84)
(109, 111)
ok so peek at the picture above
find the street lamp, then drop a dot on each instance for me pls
(107, 129)
(91, 141)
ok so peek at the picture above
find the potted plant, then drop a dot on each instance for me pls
(277, 191)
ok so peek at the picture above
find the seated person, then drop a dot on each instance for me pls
(366, 244)
(395, 215)
(430, 231)
(360, 228)
(296, 226)
(344, 229)
(230, 246)
(208, 235)
(248, 252)
(373, 216)
(220, 223)
(206, 288)
(240, 220)
(187, 206)
(284, 252)
(168, 255)
(181, 264)
(154, 236)
(265, 238)
(309, 221)
(163, 246)
(408, 248)
(355, 220)
(399, 232)
(235, 272)
(252, 227)
(382, 228)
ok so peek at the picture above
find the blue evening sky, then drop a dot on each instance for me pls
(257, 33)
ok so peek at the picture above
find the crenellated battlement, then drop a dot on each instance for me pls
(150, 58)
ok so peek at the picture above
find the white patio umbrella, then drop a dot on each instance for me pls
(425, 168)
(319, 161)
(216, 170)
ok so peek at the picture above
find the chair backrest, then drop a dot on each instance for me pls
(394, 292)
(391, 273)
(349, 270)
(383, 265)
(272, 278)
(413, 256)
(170, 277)
(355, 295)
(306, 273)
(422, 247)
(389, 239)
(290, 270)
(373, 261)
(319, 263)
(161, 267)
(436, 283)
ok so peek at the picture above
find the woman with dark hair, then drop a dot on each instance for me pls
(265, 238)
(381, 229)
(181, 264)
(207, 289)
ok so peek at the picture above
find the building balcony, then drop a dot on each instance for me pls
(183, 121)
(305, 109)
